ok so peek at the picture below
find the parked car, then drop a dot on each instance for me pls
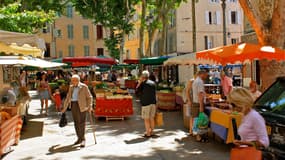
(271, 105)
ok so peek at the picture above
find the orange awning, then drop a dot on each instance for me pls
(241, 53)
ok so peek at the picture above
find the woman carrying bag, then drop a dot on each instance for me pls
(252, 130)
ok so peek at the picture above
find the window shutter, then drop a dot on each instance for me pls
(207, 17)
(230, 17)
(239, 17)
(218, 16)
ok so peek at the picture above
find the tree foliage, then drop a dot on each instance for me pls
(38, 5)
(116, 15)
(12, 18)
(157, 18)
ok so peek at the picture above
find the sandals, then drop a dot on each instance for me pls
(147, 136)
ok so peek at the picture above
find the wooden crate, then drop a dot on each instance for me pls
(166, 101)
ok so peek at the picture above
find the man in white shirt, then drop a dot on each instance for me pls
(198, 91)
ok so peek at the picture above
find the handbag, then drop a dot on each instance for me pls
(244, 153)
(158, 119)
(63, 120)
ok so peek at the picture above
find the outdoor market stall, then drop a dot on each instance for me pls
(221, 123)
(12, 43)
(112, 102)
(220, 114)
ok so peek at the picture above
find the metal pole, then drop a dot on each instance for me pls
(224, 22)
(194, 25)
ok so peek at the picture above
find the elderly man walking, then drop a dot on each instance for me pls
(147, 88)
(80, 99)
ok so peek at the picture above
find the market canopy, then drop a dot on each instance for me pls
(25, 50)
(153, 60)
(90, 60)
(21, 44)
(28, 61)
(124, 66)
(186, 59)
(131, 61)
(241, 53)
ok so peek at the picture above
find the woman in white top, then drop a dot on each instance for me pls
(23, 79)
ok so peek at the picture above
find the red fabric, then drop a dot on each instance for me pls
(81, 64)
(90, 59)
(131, 61)
(113, 107)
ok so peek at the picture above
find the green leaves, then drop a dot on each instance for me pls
(13, 19)
(116, 15)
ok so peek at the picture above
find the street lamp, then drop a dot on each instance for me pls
(223, 3)
(149, 20)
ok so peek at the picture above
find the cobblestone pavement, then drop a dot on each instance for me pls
(42, 139)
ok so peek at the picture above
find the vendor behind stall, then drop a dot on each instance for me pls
(253, 90)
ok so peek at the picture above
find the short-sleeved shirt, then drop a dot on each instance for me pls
(148, 93)
(197, 87)
(226, 83)
(253, 128)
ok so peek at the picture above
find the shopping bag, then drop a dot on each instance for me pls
(203, 120)
(158, 119)
(63, 120)
(245, 153)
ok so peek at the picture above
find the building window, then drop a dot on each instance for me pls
(213, 17)
(57, 33)
(86, 50)
(128, 54)
(85, 32)
(234, 40)
(234, 17)
(209, 42)
(46, 28)
(71, 50)
(172, 19)
(100, 51)
(70, 31)
(99, 30)
(69, 11)
(60, 54)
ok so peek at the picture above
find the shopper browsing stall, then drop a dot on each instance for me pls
(227, 84)
(44, 92)
(147, 89)
(189, 97)
(199, 95)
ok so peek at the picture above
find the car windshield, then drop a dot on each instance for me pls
(273, 99)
